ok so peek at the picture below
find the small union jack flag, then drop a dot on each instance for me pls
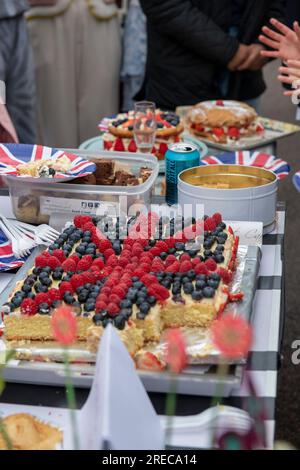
(296, 180)
(257, 159)
(12, 155)
(8, 260)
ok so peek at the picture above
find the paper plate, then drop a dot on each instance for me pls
(12, 155)
(246, 158)
(8, 261)
(296, 180)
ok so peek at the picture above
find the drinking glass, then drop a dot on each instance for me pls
(145, 126)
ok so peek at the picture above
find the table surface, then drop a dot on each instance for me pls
(268, 321)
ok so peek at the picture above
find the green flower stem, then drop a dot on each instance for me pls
(171, 408)
(70, 394)
(222, 372)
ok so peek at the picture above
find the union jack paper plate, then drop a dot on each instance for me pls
(12, 155)
(296, 180)
(8, 261)
(246, 158)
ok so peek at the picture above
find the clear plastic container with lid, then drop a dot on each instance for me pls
(34, 202)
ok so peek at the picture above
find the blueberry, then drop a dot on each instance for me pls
(166, 283)
(106, 322)
(208, 244)
(97, 319)
(144, 290)
(89, 306)
(56, 303)
(135, 279)
(208, 254)
(79, 289)
(185, 279)
(144, 307)
(96, 288)
(151, 300)
(176, 289)
(208, 292)
(213, 284)
(132, 294)
(86, 239)
(223, 235)
(221, 241)
(46, 281)
(178, 299)
(43, 275)
(20, 295)
(215, 276)
(191, 275)
(90, 251)
(119, 322)
(39, 288)
(163, 256)
(47, 270)
(138, 285)
(171, 251)
(197, 295)
(140, 300)
(93, 295)
(31, 279)
(26, 288)
(16, 301)
(30, 295)
(220, 248)
(57, 276)
(44, 309)
(152, 243)
(87, 286)
(126, 312)
(63, 236)
(140, 316)
(80, 249)
(201, 277)
(179, 246)
(222, 225)
(69, 299)
(66, 278)
(37, 271)
(82, 298)
(219, 259)
(126, 304)
(188, 288)
(200, 285)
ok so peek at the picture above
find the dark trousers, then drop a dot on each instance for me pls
(17, 71)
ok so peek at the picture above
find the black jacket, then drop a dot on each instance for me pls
(188, 46)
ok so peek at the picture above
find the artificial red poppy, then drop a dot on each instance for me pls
(232, 336)
(64, 325)
(175, 355)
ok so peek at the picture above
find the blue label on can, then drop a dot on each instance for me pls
(179, 157)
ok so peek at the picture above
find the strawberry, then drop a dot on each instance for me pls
(132, 146)
(59, 254)
(113, 309)
(211, 264)
(163, 148)
(28, 307)
(42, 298)
(41, 261)
(234, 133)
(225, 275)
(148, 361)
(65, 287)
(217, 218)
(185, 266)
(218, 132)
(220, 103)
(69, 265)
(119, 146)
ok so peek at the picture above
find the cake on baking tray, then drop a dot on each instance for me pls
(159, 276)
(224, 121)
(120, 137)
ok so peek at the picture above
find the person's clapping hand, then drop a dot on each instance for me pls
(290, 75)
(285, 42)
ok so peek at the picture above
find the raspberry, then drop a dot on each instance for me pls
(97, 276)
(104, 245)
(106, 290)
(89, 227)
(196, 261)
(103, 298)
(157, 265)
(107, 271)
(53, 294)
(113, 309)
(77, 280)
(225, 275)
(112, 260)
(162, 246)
(81, 220)
(46, 254)
(145, 267)
(137, 249)
(100, 305)
(42, 298)
(88, 277)
(28, 307)
(65, 287)
(115, 276)
(115, 299)
(173, 268)
(217, 218)
(83, 265)
(185, 257)
(74, 258)
(53, 262)
(88, 258)
(147, 256)
(185, 266)
(170, 242)
(119, 292)
(210, 225)
(129, 242)
(41, 261)
(69, 265)
(201, 269)
(155, 251)
(170, 260)
(220, 103)
(148, 280)
(159, 292)
(211, 264)
(123, 262)
(107, 253)
(59, 254)
(99, 263)
(126, 253)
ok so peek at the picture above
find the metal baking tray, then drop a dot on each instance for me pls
(199, 378)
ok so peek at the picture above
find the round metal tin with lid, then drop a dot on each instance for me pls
(238, 192)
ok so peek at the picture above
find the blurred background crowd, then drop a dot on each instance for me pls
(68, 63)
